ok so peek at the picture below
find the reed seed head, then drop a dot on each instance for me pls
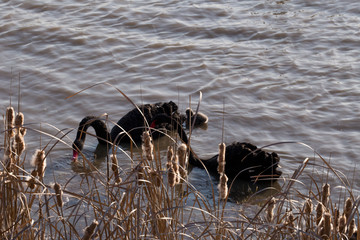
(115, 168)
(39, 160)
(59, 194)
(182, 160)
(222, 187)
(147, 146)
(221, 158)
(291, 221)
(31, 182)
(327, 224)
(342, 224)
(19, 143)
(319, 213)
(89, 231)
(352, 228)
(325, 194)
(308, 206)
(348, 208)
(19, 120)
(10, 116)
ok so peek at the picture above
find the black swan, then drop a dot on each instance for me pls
(243, 160)
(131, 125)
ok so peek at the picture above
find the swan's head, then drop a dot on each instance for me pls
(77, 146)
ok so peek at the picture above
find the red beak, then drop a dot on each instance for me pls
(75, 155)
(153, 124)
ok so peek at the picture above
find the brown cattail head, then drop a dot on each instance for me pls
(147, 146)
(336, 218)
(19, 120)
(176, 169)
(319, 213)
(325, 194)
(31, 182)
(342, 224)
(19, 143)
(222, 187)
(171, 176)
(39, 160)
(327, 224)
(182, 160)
(348, 208)
(291, 221)
(89, 231)
(221, 158)
(270, 209)
(352, 228)
(59, 194)
(155, 178)
(308, 206)
(10, 116)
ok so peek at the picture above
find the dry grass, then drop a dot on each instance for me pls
(151, 201)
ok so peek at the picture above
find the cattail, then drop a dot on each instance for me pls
(223, 188)
(291, 221)
(115, 168)
(308, 207)
(319, 213)
(31, 181)
(270, 209)
(147, 146)
(221, 158)
(10, 116)
(19, 120)
(89, 231)
(39, 161)
(352, 228)
(182, 160)
(155, 178)
(59, 194)
(348, 208)
(176, 169)
(327, 225)
(342, 224)
(171, 176)
(325, 194)
(19, 143)
(336, 218)
(170, 167)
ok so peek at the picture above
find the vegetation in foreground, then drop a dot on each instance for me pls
(151, 201)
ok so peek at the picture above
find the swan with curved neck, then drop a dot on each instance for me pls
(243, 160)
(129, 128)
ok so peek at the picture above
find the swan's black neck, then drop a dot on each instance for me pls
(101, 131)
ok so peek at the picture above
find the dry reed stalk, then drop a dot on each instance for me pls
(39, 161)
(221, 158)
(182, 160)
(115, 168)
(59, 194)
(148, 146)
(89, 231)
(325, 195)
(270, 210)
(223, 188)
